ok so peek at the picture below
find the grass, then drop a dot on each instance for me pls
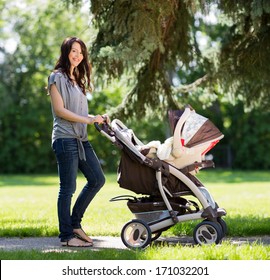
(28, 208)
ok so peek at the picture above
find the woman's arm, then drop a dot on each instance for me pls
(62, 112)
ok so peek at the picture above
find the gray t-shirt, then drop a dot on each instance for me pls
(75, 101)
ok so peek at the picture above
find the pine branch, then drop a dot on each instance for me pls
(191, 87)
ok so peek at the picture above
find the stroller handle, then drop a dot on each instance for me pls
(98, 128)
(106, 122)
(105, 130)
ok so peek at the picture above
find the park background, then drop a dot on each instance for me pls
(147, 57)
(228, 46)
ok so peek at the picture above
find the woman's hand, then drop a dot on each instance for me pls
(96, 119)
(106, 118)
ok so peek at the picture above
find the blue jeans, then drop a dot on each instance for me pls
(68, 161)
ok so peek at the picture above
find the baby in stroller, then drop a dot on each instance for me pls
(165, 174)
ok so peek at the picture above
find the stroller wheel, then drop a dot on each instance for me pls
(208, 232)
(223, 226)
(136, 234)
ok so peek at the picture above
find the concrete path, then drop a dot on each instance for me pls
(53, 243)
(101, 242)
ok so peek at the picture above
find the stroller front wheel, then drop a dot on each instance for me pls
(208, 232)
(223, 226)
(136, 234)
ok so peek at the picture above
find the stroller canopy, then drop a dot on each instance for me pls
(195, 129)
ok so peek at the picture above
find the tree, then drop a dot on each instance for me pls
(150, 39)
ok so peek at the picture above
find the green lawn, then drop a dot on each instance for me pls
(28, 208)
(28, 205)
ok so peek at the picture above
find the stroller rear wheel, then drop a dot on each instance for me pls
(136, 234)
(208, 232)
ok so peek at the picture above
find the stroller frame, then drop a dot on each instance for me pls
(139, 233)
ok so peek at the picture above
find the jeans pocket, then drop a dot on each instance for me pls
(58, 147)
(65, 145)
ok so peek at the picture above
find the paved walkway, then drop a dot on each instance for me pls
(100, 242)
(53, 243)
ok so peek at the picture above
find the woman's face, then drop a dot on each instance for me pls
(75, 56)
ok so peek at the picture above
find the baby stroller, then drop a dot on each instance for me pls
(165, 174)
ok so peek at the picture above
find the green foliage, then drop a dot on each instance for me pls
(249, 135)
(137, 36)
(152, 39)
(243, 68)
(139, 50)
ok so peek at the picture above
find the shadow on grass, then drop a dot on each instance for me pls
(27, 180)
(28, 231)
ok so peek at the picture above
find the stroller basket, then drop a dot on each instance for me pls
(153, 216)
(152, 209)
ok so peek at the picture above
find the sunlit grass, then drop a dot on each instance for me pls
(28, 205)
(225, 251)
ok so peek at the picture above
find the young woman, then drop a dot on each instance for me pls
(67, 87)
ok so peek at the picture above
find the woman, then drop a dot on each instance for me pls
(67, 87)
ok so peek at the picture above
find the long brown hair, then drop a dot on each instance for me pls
(82, 72)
